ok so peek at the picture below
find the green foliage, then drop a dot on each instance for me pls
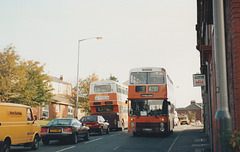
(84, 87)
(36, 90)
(111, 77)
(22, 82)
(191, 115)
(235, 140)
(10, 74)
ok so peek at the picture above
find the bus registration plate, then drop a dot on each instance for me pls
(147, 129)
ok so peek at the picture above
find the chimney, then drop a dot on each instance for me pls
(61, 77)
(193, 102)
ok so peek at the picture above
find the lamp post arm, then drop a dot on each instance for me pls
(90, 38)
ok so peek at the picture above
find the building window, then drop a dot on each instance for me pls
(45, 111)
(57, 107)
(70, 112)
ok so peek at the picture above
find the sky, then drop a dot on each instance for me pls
(136, 33)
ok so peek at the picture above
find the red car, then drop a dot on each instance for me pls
(96, 123)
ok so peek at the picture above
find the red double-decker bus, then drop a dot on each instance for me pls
(150, 93)
(107, 98)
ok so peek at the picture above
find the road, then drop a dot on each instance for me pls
(184, 138)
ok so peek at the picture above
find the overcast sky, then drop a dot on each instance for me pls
(136, 33)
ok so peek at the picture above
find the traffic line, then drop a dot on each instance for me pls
(116, 148)
(66, 149)
(93, 140)
(174, 142)
(114, 135)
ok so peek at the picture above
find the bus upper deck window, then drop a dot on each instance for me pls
(156, 78)
(138, 78)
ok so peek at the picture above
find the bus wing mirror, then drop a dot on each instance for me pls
(126, 101)
(169, 103)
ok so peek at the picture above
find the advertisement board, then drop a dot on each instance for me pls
(199, 80)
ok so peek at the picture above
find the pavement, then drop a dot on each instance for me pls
(191, 139)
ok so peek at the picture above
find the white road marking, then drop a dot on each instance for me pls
(66, 149)
(174, 142)
(114, 135)
(116, 148)
(93, 140)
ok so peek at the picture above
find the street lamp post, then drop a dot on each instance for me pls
(78, 66)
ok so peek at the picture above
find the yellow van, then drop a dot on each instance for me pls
(17, 127)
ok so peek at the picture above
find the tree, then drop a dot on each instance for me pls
(84, 86)
(36, 90)
(11, 74)
(111, 77)
(191, 115)
(22, 82)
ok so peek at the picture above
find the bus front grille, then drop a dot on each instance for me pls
(147, 127)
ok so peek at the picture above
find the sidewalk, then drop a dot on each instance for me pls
(192, 139)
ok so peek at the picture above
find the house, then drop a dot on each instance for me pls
(221, 97)
(61, 105)
(194, 108)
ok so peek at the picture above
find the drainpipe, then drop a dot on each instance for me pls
(222, 114)
(210, 106)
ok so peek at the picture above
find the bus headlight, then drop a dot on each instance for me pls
(132, 128)
(132, 124)
(162, 127)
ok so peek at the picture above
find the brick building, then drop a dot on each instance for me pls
(205, 45)
(61, 105)
(194, 108)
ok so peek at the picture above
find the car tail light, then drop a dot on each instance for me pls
(67, 129)
(44, 130)
(98, 124)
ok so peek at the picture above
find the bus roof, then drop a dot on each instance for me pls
(14, 105)
(148, 69)
(107, 82)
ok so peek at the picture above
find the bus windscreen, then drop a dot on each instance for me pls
(147, 77)
(147, 108)
(102, 88)
(104, 108)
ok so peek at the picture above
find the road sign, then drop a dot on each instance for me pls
(199, 80)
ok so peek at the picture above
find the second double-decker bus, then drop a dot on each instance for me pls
(150, 93)
(108, 99)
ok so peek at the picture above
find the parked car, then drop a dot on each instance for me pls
(64, 129)
(17, 127)
(96, 123)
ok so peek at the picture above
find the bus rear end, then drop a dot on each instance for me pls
(149, 108)
(107, 102)
(107, 109)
